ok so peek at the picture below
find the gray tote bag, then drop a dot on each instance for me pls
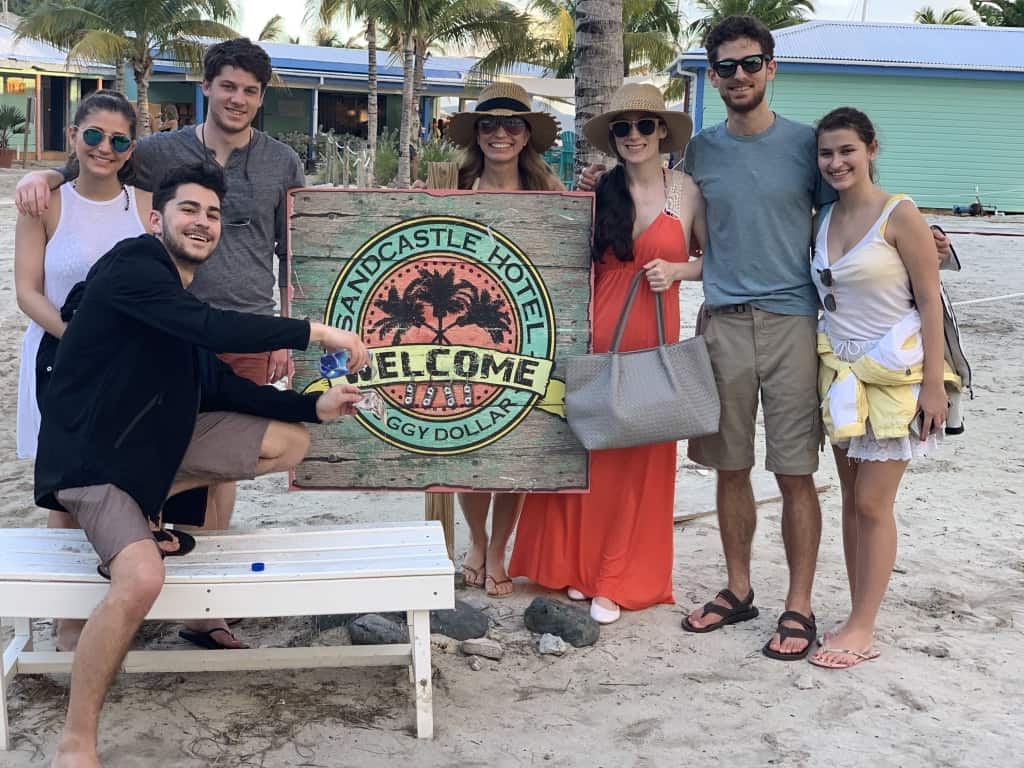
(621, 399)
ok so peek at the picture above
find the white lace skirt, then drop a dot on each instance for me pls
(867, 447)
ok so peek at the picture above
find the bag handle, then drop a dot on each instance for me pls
(620, 326)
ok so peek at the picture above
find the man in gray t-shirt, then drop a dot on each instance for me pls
(758, 174)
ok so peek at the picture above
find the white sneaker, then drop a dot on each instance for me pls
(603, 615)
(575, 594)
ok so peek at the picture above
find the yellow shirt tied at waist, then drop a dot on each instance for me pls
(881, 386)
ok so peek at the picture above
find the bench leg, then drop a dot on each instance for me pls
(419, 639)
(22, 641)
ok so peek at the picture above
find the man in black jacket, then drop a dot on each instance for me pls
(139, 409)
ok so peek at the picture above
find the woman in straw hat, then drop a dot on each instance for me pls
(615, 544)
(503, 138)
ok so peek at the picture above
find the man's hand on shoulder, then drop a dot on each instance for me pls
(32, 194)
(338, 401)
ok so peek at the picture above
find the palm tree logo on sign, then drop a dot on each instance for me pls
(462, 333)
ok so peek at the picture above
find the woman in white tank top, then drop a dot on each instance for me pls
(874, 263)
(56, 250)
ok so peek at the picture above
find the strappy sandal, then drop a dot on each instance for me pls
(491, 585)
(737, 611)
(186, 543)
(857, 657)
(808, 630)
(478, 574)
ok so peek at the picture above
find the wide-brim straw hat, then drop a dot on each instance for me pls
(639, 97)
(504, 100)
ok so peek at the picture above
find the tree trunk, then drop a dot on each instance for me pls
(405, 131)
(598, 65)
(371, 99)
(142, 72)
(119, 75)
(418, 89)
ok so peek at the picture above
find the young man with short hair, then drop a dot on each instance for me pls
(138, 410)
(259, 171)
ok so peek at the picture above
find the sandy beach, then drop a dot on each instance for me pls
(947, 690)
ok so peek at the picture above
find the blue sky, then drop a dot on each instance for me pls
(255, 13)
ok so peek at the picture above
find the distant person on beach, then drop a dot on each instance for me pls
(139, 410)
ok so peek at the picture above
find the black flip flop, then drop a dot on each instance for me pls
(206, 639)
(738, 610)
(186, 542)
(809, 632)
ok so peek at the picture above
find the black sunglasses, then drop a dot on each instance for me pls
(93, 137)
(646, 126)
(513, 125)
(751, 64)
(828, 281)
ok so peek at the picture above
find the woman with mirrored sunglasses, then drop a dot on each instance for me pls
(54, 251)
(881, 332)
(502, 141)
(613, 545)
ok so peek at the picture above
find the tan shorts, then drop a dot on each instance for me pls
(224, 447)
(756, 352)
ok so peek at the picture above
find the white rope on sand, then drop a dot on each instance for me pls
(987, 299)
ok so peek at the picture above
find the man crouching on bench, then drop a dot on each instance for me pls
(139, 409)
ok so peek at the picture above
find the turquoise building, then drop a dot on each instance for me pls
(948, 102)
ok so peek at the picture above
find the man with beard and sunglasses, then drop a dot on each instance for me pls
(259, 171)
(139, 410)
(759, 177)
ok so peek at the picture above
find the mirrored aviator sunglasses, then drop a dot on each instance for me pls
(513, 125)
(646, 126)
(93, 137)
(750, 64)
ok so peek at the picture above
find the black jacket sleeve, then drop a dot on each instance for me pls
(146, 287)
(222, 390)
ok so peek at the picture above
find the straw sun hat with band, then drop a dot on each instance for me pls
(639, 97)
(504, 100)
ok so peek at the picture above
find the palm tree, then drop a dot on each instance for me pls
(491, 25)
(327, 11)
(130, 31)
(598, 64)
(956, 17)
(650, 34)
(273, 29)
(444, 294)
(1000, 13)
(486, 313)
(400, 312)
(774, 13)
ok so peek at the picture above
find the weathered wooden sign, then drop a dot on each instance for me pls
(470, 304)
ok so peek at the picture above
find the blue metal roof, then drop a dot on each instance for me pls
(351, 64)
(924, 46)
(26, 53)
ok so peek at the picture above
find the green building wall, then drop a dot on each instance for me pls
(940, 138)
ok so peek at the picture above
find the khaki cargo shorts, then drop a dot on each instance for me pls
(225, 446)
(756, 353)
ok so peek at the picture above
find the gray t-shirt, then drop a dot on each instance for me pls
(239, 274)
(760, 193)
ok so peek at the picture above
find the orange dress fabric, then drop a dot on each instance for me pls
(616, 540)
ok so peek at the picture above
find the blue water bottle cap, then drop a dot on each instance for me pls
(257, 566)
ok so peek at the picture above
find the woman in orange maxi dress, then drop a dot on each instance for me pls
(614, 544)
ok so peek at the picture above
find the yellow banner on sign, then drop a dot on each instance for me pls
(415, 363)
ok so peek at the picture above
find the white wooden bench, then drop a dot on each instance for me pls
(307, 571)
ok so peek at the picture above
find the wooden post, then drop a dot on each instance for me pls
(441, 506)
(39, 117)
